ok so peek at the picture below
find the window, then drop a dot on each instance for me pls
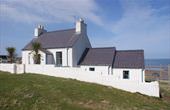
(49, 59)
(91, 69)
(58, 58)
(125, 74)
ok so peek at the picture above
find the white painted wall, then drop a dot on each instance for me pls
(102, 70)
(43, 57)
(7, 67)
(12, 68)
(70, 57)
(27, 57)
(81, 26)
(82, 74)
(19, 68)
(135, 75)
(65, 56)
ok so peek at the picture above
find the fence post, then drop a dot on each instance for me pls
(14, 68)
(169, 73)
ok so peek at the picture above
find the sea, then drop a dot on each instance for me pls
(157, 62)
(159, 66)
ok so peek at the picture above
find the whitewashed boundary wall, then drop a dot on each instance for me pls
(150, 89)
(12, 68)
(7, 67)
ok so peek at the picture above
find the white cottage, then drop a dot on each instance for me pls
(61, 48)
(72, 48)
(68, 54)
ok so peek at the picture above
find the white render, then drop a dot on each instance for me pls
(12, 68)
(39, 30)
(66, 55)
(81, 27)
(100, 76)
(135, 75)
(102, 70)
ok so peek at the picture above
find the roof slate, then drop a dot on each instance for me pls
(111, 57)
(99, 56)
(55, 39)
(92, 56)
(129, 59)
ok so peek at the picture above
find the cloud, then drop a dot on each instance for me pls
(14, 14)
(49, 11)
(143, 26)
(139, 25)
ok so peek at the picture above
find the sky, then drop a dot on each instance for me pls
(124, 24)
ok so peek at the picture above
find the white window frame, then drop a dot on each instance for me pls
(61, 59)
(91, 68)
(124, 74)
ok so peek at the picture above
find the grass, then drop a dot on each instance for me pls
(40, 92)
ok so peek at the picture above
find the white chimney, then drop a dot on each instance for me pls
(39, 30)
(80, 26)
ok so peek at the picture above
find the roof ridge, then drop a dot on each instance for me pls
(60, 30)
(103, 48)
(55, 39)
(129, 50)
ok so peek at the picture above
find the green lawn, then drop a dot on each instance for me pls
(40, 92)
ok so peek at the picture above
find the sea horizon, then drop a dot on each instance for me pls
(157, 61)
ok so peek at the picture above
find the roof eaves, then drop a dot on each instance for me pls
(104, 48)
(137, 50)
(128, 67)
(95, 65)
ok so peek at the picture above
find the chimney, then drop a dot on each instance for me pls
(81, 26)
(39, 30)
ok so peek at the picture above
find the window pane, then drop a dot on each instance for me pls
(91, 69)
(125, 74)
(59, 58)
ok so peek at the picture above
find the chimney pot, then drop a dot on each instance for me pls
(39, 30)
(80, 26)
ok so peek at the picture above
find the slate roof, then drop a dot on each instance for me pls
(129, 59)
(93, 56)
(112, 57)
(55, 39)
(98, 56)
